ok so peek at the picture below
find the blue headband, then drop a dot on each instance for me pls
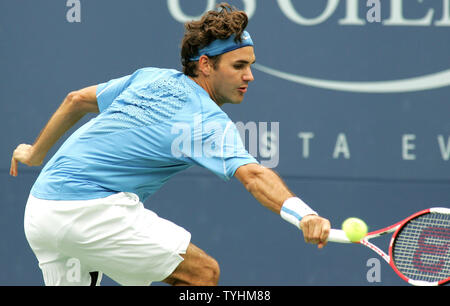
(220, 46)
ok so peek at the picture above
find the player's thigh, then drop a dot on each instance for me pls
(197, 268)
(67, 271)
(140, 247)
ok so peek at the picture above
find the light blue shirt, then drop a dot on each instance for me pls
(152, 125)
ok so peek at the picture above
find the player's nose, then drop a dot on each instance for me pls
(248, 75)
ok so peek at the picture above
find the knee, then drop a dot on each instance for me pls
(210, 273)
(197, 269)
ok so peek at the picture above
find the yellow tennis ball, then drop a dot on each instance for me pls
(355, 229)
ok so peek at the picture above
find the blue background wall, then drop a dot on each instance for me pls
(43, 56)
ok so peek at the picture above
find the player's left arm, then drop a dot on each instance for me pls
(75, 105)
(270, 190)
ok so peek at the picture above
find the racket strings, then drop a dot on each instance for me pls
(421, 249)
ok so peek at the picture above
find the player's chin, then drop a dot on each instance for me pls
(238, 99)
(235, 99)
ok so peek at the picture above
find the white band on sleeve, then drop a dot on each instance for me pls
(294, 209)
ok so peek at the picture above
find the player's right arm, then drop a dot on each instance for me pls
(72, 109)
(270, 190)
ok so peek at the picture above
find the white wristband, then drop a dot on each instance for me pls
(294, 209)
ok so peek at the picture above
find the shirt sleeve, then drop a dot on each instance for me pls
(107, 92)
(222, 150)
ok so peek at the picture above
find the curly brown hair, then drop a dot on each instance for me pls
(214, 24)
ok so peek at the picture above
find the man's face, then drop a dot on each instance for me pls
(230, 79)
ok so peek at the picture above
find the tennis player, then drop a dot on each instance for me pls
(86, 206)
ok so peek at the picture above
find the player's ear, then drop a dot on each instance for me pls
(204, 65)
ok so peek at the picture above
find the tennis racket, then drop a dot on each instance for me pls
(419, 250)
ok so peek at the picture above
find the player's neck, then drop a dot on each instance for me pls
(203, 83)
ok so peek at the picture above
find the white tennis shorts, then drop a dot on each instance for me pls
(115, 235)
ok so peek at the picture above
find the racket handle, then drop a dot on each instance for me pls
(338, 236)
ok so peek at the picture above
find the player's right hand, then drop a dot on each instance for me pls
(25, 154)
(315, 230)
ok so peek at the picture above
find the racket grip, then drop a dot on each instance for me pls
(338, 236)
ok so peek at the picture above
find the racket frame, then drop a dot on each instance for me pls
(340, 237)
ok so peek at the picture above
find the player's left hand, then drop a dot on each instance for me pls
(25, 154)
(315, 230)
